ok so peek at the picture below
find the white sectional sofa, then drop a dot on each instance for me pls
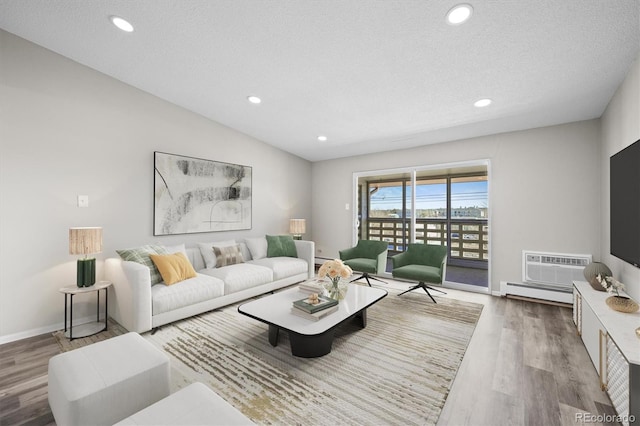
(139, 306)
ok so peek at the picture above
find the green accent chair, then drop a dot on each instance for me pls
(367, 257)
(424, 263)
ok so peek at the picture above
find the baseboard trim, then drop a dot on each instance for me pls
(542, 301)
(43, 330)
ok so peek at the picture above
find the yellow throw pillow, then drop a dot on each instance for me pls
(173, 267)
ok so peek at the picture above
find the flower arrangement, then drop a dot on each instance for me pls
(610, 283)
(335, 270)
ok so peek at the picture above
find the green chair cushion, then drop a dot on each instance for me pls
(362, 265)
(424, 273)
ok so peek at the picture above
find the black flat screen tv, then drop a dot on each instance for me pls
(625, 204)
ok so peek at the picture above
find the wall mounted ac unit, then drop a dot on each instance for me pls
(553, 269)
(547, 276)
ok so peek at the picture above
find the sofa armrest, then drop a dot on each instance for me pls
(306, 251)
(130, 304)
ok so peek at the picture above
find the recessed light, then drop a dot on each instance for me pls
(322, 138)
(482, 103)
(459, 14)
(254, 99)
(121, 23)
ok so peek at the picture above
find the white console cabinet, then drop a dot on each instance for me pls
(614, 348)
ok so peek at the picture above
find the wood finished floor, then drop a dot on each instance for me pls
(525, 365)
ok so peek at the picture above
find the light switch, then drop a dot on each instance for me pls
(83, 201)
(346, 206)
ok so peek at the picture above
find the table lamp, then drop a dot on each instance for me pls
(85, 241)
(297, 227)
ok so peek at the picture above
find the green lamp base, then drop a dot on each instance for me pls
(86, 272)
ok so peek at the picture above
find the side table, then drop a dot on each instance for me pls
(88, 329)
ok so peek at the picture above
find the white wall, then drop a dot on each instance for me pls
(68, 130)
(620, 128)
(544, 189)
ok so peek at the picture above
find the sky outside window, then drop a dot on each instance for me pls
(466, 193)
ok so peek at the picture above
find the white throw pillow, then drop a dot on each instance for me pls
(257, 246)
(206, 249)
(180, 248)
(246, 254)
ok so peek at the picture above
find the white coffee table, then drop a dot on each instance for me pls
(310, 339)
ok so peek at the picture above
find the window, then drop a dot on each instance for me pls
(450, 210)
(445, 205)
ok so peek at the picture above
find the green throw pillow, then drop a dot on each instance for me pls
(141, 255)
(281, 245)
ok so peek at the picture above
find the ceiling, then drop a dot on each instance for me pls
(370, 75)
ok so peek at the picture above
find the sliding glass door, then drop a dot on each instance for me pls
(447, 207)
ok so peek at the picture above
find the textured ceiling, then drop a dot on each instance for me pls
(370, 75)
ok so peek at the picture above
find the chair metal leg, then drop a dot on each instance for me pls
(366, 276)
(407, 291)
(434, 289)
(425, 288)
(377, 279)
(427, 291)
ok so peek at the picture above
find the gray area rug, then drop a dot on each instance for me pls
(397, 370)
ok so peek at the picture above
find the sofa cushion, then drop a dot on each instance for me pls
(173, 267)
(257, 246)
(226, 256)
(185, 293)
(141, 255)
(283, 267)
(241, 276)
(281, 245)
(177, 248)
(207, 251)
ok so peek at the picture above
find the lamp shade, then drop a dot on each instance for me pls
(85, 240)
(297, 226)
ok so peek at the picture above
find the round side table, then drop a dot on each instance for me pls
(88, 329)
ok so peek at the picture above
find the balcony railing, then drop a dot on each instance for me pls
(468, 239)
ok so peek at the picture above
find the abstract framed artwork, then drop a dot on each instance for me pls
(193, 195)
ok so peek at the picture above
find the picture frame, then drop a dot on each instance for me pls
(194, 195)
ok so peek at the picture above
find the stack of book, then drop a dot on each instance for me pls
(314, 309)
(312, 286)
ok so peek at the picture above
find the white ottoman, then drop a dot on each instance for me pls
(194, 405)
(105, 382)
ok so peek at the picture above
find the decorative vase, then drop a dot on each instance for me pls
(86, 272)
(336, 290)
(622, 304)
(592, 270)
